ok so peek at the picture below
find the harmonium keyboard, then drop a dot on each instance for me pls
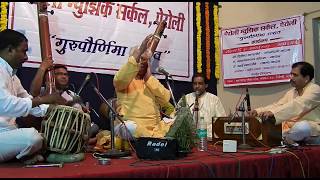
(257, 133)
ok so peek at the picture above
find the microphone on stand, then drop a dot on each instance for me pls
(197, 94)
(164, 72)
(232, 118)
(196, 101)
(85, 82)
(196, 107)
(76, 98)
(248, 100)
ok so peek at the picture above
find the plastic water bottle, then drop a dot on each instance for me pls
(202, 135)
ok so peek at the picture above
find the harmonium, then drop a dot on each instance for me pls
(257, 133)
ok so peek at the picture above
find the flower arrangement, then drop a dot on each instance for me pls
(199, 31)
(208, 62)
(3, 17)
(207, 18)
(216, 41)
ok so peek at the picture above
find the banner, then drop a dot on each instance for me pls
(262, 53)
(97, 36)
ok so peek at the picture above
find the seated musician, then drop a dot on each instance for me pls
(103, 142)
(21, 143)
(298, 110)
(62, 85)
(61, 82)
(140, 96)
(209, 104)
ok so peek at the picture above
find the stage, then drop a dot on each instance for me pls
(256, 163)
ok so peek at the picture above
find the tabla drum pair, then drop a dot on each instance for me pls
(66, 129)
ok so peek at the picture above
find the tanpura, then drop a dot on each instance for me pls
(153, 42)
(45, 45)
(155, 39)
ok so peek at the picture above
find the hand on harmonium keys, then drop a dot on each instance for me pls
(252, 113)
(263, 116)
(267, 116)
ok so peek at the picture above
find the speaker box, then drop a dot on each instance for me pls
(156, 148)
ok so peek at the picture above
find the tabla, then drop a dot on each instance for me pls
(66, 129)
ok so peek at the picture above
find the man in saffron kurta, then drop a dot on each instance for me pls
(140, 95)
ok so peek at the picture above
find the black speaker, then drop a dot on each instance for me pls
(156, 148)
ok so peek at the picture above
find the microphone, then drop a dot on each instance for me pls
(248, 100)
(197, 94)
(163, 71)
(232, 118)
(85, 82)
(196, 101)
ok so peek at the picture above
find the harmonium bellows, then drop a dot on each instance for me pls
(257, 133)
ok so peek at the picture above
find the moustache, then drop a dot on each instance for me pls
(292, 82)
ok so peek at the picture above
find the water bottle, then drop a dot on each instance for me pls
(202, 135)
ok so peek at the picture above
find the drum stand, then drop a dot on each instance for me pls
(243, 127)
(112, 153)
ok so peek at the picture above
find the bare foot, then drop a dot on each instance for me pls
(33, 159)
(92, 141)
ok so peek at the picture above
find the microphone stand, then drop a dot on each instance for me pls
(242, 109)
(196, 111)
(174, 101)
(112, 153)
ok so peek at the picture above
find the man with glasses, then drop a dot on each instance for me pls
(61, 81)
(62, 86)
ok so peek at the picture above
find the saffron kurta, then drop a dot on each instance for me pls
(140, 101)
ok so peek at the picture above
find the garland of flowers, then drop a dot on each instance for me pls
(216, 41)
(208, 67)
(3, 18)
(199, 52)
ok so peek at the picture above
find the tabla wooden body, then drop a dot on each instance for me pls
(66, 129)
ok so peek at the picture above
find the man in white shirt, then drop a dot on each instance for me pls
(16, 102)
(299, 109)
(210, 105)
(61, 82)
(61, 76)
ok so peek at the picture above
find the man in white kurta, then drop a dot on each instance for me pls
(16, 102)
(299, 109)
(210, 105)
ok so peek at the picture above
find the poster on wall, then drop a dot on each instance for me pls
(262, 53)
(97, 36)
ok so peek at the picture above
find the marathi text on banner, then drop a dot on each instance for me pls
(98, 36)
(262, 53)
